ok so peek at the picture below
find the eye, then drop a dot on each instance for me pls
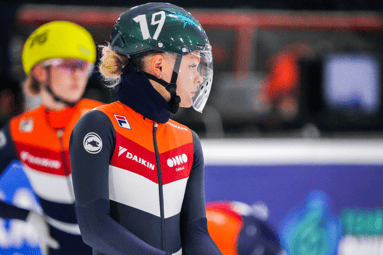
(192, 66)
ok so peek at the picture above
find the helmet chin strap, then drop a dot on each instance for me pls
(175, 100)
(55, 97)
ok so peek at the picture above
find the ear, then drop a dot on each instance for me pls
(39, 72)
(157, 64)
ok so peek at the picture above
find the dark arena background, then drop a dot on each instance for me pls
(292, 131)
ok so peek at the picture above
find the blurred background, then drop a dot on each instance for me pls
(282, 68)
(293, 125)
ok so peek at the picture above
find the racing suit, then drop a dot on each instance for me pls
(139, 177)
(40, 139)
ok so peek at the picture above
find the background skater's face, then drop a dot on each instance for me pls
(69, 79)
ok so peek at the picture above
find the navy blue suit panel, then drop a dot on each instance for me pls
(196, 239)
(195, 236)
(8, 211)
(90, 171)
(7, 149)
(90, 174)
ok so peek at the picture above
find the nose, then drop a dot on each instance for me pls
(77, 76)
(199, 78)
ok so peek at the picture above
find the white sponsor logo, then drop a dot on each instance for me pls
(92, 143)
(179, 127)
(177, 160)
(180, 168)
(45, 162)
(3, 140)
(26, 125)
(136, 158)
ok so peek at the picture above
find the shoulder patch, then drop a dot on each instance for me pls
(122, 121)
(92, 143)
(26, 125)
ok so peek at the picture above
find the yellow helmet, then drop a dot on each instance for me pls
(58, 39)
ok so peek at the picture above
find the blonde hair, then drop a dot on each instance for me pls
(111, 65)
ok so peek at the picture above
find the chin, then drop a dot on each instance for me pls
(73, 99)
(186, 105)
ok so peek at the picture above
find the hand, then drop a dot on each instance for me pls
(42, 228)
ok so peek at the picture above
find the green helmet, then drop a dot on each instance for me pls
(164, 27)
(157, 26)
